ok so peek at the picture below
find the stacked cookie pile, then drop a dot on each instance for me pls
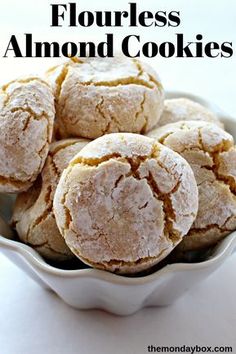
(108, 171)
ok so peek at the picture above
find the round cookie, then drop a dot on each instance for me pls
(124, 202)
(211, 153)
(96, 96)
(178, 109)
(26, 125)
(33, 216)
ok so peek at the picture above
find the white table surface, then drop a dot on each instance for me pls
(35, 321)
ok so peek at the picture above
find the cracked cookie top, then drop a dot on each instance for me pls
(124, 202)
(96, 96)
(212, 155)
(26, 124)
(33, 216)
(177, 109)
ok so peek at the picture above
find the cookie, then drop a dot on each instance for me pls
(33, 216)
(96, 96)
(212, 155)
(178, 109)
(124, 202)
(26, 125)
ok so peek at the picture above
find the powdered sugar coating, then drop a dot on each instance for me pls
(212, 155)
(96, 96)
(125, 202)
(178, 109)
(26, 124)
(33, 216)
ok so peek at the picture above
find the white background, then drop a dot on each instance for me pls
(33, 320)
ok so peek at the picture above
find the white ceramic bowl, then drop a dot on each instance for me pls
(91, 288)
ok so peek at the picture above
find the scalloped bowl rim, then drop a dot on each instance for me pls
(224, 247)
